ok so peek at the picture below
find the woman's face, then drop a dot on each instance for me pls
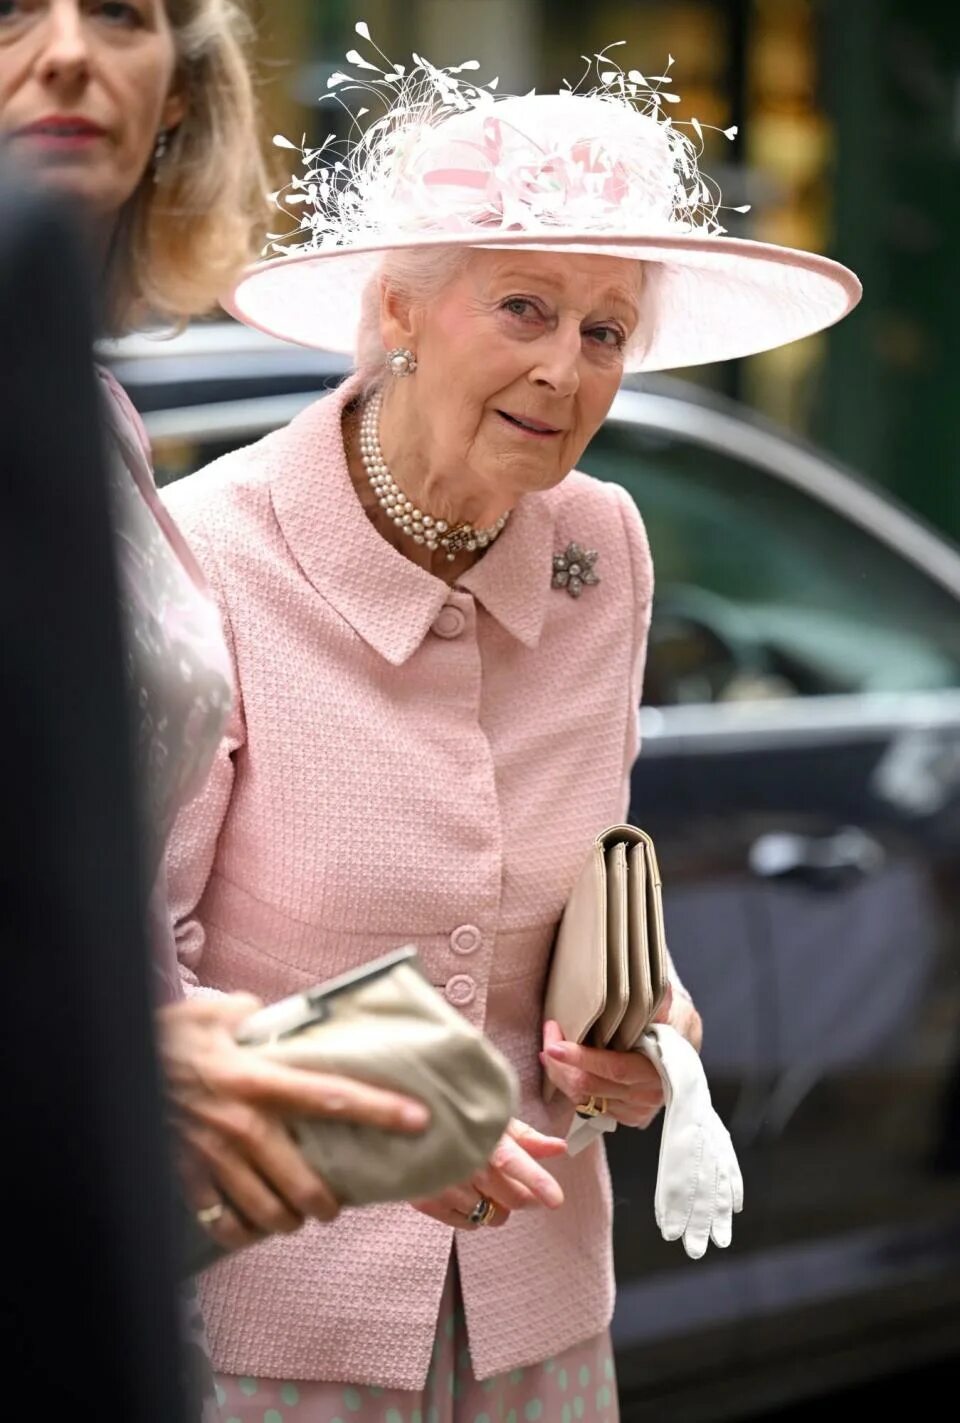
(85, 89)
(519, 360)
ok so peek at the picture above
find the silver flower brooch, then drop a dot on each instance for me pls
(573, 569)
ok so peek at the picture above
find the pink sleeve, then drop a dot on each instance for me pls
(127, 411)
(133, 443)
(191, 852)
(192, 847)
(642, 565)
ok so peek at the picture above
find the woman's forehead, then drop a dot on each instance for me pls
(605, 278)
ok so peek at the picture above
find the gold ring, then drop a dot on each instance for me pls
(211, 1214)
(483, 1212)
(590, 1108)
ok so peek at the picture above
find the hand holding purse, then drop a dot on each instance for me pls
(385, 1024)
(608, 977)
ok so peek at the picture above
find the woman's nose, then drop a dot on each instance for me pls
(558, 364)
(64, 55)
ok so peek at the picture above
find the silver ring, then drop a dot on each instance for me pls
(211, 1214)
(481, 1212)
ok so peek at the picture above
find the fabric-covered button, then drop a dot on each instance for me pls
(449, 622)
(465, 940)
(461, 990)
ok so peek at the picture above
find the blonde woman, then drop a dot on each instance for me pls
(142, 116)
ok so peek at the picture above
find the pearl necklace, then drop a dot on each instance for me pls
(432, 533)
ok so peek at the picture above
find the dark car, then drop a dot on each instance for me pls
(801, 775)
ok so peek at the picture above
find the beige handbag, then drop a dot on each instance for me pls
(385, 1024)
(610, 966)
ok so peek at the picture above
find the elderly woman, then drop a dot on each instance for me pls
(142, 117)
(434, 719)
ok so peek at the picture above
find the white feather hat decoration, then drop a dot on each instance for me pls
(602, 169)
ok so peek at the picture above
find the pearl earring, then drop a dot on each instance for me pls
(401, 362)
(159, 153)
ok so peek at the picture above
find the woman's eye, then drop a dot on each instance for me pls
(10, 10)
(520, 306)
(610, 336)
(119, 13)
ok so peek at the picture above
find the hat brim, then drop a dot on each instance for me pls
(718, 298)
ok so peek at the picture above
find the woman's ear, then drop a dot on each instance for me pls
(398, 322)
(174, 110)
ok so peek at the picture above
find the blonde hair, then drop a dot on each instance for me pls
(421, 274)
(183, 238)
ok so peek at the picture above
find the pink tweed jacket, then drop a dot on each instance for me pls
(406, 761)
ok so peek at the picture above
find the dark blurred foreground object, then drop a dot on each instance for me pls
(88, 1316)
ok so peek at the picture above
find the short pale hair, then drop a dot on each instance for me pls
(181, 240)
(421, 274)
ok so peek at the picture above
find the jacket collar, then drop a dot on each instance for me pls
(384, 597)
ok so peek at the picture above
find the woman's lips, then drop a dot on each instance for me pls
(60, 134)
(528, 426)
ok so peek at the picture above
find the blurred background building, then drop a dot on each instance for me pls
(849, 118)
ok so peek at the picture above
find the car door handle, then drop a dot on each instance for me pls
(821, 861)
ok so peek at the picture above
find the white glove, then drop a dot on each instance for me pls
(585, 1130)
(699, 1185)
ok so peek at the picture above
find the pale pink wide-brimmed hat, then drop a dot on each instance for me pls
(450, 163)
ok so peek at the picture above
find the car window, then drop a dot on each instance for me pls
(185, 439)
(174, 459)
(765, 591)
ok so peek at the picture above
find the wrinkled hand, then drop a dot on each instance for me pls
(228, 1105)
(512, 1180)
(628, 1081)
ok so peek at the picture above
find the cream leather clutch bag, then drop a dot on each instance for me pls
(609, 971)
(385, 1024)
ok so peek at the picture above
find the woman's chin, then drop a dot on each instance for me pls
(75, 180)
(526, 470)
(536, 475)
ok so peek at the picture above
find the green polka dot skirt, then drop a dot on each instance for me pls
(577, 1386)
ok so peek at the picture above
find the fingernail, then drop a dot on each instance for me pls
(561, 1051)
(414, 1116)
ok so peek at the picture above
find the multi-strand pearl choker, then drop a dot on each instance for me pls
(432, 533)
